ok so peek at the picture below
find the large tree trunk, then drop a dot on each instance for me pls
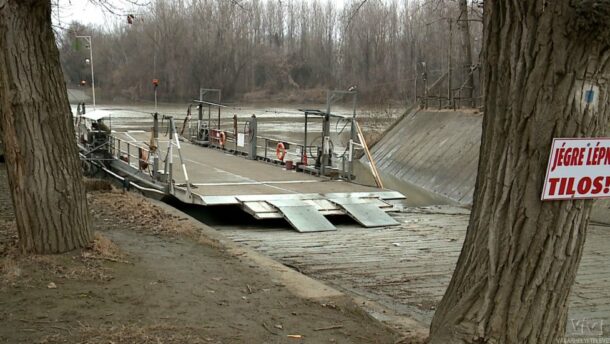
(40, 147)
(520, 255)
(468, 82)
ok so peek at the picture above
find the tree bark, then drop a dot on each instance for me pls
(468, 83)
(520, 255)
(44, 172)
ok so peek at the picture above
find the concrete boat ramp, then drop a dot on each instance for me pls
(213, 177)
(407, 268)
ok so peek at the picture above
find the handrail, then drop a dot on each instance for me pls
(96, 148)
(266, 143)
(118, 152)
(141, 188)
(271, 139)
(129, 144)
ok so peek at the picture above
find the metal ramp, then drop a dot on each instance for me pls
(302, 216)
(306, 212)
(365, 212)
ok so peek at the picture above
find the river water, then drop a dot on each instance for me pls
(283, 122)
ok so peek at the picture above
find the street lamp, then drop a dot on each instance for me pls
(89, 61)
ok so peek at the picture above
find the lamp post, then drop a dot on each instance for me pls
(88, 39)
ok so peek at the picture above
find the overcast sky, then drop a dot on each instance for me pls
(86, 12)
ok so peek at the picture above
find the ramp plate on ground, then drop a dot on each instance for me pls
(365, 212)
(302, 216)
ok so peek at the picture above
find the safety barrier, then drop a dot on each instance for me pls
(129, 152)
(297, 152)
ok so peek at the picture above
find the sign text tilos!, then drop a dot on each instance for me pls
(578, 169)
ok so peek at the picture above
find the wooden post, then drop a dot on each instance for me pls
(369, 156)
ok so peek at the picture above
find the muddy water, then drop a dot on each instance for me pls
(284, 122)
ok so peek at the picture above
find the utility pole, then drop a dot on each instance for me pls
(466, 63)
(90, 42)
(425, 77)
(449, 65)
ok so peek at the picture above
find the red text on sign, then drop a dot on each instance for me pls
(573, 187)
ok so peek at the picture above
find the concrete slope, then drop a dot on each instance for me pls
(439, 152)
(601, 211)
(435, 150)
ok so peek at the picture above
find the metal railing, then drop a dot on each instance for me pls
(299, 151)
(227, 139)
(300, 155)
(129, 152)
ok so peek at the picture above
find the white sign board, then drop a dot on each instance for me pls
(578, 169)
(241, 139)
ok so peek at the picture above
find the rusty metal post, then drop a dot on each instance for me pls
(156, 141)
(234, 130)
(200, 122)
(350, 171)
(266, 148)
(253, 133)
(325, 159)
(304, 154)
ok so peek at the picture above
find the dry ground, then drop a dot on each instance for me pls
(150, 278)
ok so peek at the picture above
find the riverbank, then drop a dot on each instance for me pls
(438, 151)
(151, 276)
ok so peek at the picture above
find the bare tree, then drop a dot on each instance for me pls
(520, 255)
(43, 167)
(272, 46)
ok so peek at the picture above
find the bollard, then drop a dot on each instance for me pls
(252, 138)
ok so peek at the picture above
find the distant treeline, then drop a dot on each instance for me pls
(289, 48)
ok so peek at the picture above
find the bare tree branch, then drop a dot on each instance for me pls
(355, 12)
(237, 3)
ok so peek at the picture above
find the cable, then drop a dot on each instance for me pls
(311, 145)
(347, 121)
(264, 111)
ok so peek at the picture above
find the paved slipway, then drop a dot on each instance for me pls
(439, 152)
(407, 268)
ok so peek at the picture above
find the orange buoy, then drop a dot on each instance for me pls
(222, 139)
(280, 151)
(143, 158)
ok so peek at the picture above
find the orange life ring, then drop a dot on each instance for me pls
(280, 151)
(143, 158)
(304, 159)
(223, 138)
